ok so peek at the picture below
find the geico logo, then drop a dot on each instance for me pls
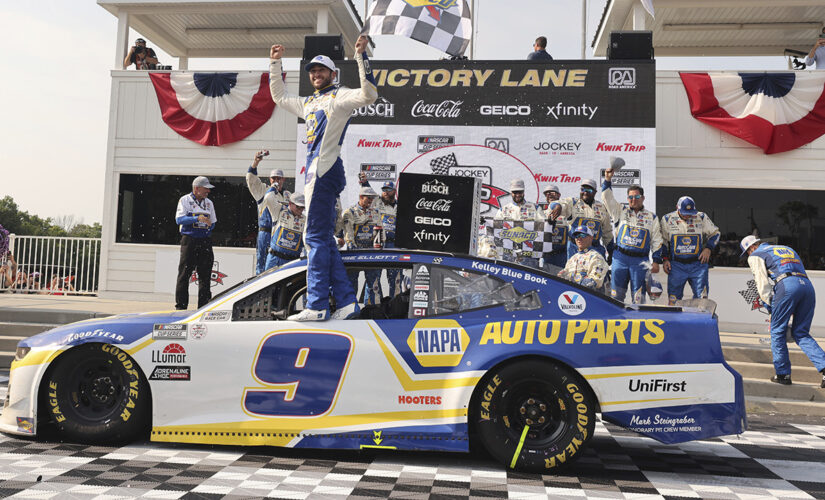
(579, 331)
(505, 110)
(655, 385)
(433, 221)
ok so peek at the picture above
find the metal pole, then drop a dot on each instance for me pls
(473, 32)
(584, 29)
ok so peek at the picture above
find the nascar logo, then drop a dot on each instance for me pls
(438, 342)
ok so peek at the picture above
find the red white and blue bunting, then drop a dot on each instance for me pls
(777, 112)
(213, 109)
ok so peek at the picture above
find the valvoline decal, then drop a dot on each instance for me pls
(123, 329)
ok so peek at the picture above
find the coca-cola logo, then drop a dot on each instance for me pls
(444, 109)
(439, 205)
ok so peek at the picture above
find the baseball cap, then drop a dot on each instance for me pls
(320, 60)
(551, 187)
(516, 185)
(591, 183)
(686, 206)
(202, 181)
(616, 162)
(277, 173)
(388, 185)
(140, 40)
(746, 243)
(367, 191)
(583, 229)
(298, 199)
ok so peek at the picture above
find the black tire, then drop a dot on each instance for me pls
(555, 405)
(95, 393)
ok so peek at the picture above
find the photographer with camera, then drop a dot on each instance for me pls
(817, 53)
(141, 56)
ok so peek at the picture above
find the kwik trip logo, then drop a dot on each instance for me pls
(621, 78)
(445, 109)
(438, 342)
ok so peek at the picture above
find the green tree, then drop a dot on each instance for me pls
(21, 222)
(86, 231)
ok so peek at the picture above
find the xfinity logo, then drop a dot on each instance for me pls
(424, 235)
(435, 187)
(381, 108)
(621, 78)
(505, 110)
(444, 109)
(433, 221)
(561, 110)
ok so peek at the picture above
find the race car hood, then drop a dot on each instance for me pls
(120, 329)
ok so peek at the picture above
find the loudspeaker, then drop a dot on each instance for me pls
(630, 45)
(331, 46)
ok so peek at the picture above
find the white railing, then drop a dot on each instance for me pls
(51, 265)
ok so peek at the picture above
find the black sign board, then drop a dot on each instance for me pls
(437, 212)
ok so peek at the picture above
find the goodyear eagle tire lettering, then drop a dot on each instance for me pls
(96, 393)
(553, 403)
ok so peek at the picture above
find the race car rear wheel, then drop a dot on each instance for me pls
(534, 415)
(96, 393)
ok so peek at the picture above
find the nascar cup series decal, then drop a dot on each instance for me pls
(438, 342)
(572, 303)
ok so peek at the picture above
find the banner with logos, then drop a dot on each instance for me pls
(545, 123)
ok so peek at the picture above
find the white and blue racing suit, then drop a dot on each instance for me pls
(786, 291)
(387, 211)
(576, 212)
(326, 113)
(637, 237)
(287, 241)
(359, 226)
(684, 240)
(259, 192)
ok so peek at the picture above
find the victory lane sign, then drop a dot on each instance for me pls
(433, 213)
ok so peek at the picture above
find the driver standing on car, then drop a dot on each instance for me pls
(586, 267)
(585, 210)
(260, 192)
(326, 113)
(287, 241)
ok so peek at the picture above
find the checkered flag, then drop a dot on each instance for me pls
(751, 295)
(442, 164)
(511, 238)
(443, 24)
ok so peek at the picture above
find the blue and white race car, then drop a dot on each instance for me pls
(468, 349)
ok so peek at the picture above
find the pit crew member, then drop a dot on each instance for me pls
(359, 226)
(586, 211)
(326, 113)
(387, 206)
(557, 257)
(287, 241)
(586, 267)
(638, 235)
(195, 217)
(520, 210)
(785, 290)
(259, 191)
(689, 237)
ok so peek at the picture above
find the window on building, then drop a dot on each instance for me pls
(146, 209)
(787, 217)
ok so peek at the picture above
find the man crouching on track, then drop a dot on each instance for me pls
(326, 113)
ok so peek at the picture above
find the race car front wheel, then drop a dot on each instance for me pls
(534, 415)
(96, 393)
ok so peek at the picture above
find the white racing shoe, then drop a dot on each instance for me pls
(310, 315)
(347, 312)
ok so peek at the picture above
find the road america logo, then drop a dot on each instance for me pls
(572, 303)
(621, 78)
(216, 278)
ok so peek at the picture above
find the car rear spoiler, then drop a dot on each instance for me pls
(697, 305)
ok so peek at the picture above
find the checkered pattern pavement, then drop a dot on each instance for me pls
(770, 461)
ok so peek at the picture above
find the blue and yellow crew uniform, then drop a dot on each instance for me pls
(260, 192)
(287, 242)
(359, 224)
(576, 212)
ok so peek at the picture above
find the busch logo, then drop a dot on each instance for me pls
(621, 78)
(440, 205)
(435, 187)
(444, 109)
(381, 108)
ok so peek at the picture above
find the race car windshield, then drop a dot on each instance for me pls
(458, 290)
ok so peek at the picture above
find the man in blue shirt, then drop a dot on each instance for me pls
(540, 50)
(785, 290)
(196, 218)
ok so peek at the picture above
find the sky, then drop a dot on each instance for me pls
(57, 55)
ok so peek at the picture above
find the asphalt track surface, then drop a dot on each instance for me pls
(778, 457)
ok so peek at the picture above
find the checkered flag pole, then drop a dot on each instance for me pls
(442, 24)
(751, 296)
(442, 164)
